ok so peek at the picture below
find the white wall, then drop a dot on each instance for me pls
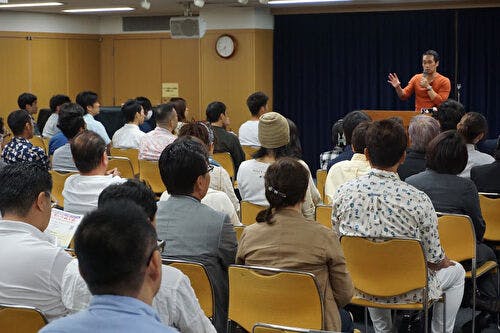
(63, 23)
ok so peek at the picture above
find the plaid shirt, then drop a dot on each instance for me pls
(21, 150)
(327, 156)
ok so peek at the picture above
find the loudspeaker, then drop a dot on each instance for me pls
(187, 27)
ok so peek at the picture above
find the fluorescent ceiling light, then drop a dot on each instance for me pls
(39, 4)
(97, 10)
(298, 2)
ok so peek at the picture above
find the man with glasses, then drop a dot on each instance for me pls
(122, 270)
(191, 230)
(31, 267)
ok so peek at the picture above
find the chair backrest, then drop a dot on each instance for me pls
(490, 208)
(249, 212)
(21, 319)
(385, 267)
(38, 141)
(275, 296)
(324, 215)
(249, 151)
(123, 164)
(58, 180)
(456, 233)
(239, 230)
(200, 281)
(131, 153)
(226, 161)
(320, 184)
(150, 173)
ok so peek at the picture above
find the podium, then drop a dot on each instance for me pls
(384, 114)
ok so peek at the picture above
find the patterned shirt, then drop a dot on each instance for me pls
(327, 156)
(380, 205)
(153, 143)
(20, 149)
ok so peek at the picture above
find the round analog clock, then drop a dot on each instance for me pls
(225, 46)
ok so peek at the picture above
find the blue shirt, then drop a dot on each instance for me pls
(57, 141)
(96, 126)
(111, 314)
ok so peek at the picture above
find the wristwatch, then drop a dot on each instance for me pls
(429, 87)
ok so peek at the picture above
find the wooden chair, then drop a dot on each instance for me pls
(21, 319)
(270, 328)
(249, 151)
(458, 240)
(385, 268)
(249, 212)
(226, 161)
(320, 184)
(324, 215)
(38, 141)
(200, 281)
(131, 153)
(490, 208)
(58, 180)
(277, 296)
(123, 164)
(150, 173)
(239, 231)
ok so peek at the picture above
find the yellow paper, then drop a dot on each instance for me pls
(169, 89)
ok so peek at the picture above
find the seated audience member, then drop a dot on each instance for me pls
(149, 123)
(88, 100)
(82, 190)
(446, 158)
(473, 127)
(224, 141)
(129, 136)
(57, 141)
(219, 178)
(181, 108)
(19, 149)
(338, 141)
(70, 122)
(380, 205)
(283, 238)
(449, 114)
(345, 171)
(486, 176)
(248, 133)
(421, 131)
(175, 301)
(274, 137)
(351, 120)
(153, 143)
(192, 230)
(4, 135)
(31, 265)
(123, 272)
(50, 129)
(28, 102)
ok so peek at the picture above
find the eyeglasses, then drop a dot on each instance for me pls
(160, 246)
(209, 168)
(53, 200)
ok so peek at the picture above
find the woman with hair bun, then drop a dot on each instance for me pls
(284, 238)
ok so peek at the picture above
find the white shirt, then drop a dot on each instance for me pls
(218, 201)
(220, 181)
(129, 136)
(249, 133)
(62, 160)
(96, 126)
(81, 192)
(175, 302)
(475, 158)
(50, 129)
(31, 268)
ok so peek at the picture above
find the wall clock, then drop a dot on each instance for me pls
(225, 46)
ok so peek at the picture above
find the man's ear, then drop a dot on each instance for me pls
(41, 200)
(154, 267)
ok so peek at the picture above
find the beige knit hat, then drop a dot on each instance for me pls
(274, 131)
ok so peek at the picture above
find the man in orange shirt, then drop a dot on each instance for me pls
(430, 87)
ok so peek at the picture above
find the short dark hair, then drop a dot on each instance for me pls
(17, 121)
(130, 108)
(432, 53)
(133, 190)
(286, 183)
(26, 99)
(165, 112)
(86, 98)
(386, 142)
(181, 163)
(447, 153)
(20, 185)
(87, 148)
(255, 101)
(359, 136)
(70, 120)
(351, 120)
(449, 114)
(214, 110)
(58, 100)
(180, 107)
(294, 146)
(199, 130)
(145, 102)
(113, 248)
(471, 125)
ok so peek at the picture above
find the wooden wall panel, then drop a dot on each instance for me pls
(107, 84)
(180, 63)
(137, 69)
(83, 66)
